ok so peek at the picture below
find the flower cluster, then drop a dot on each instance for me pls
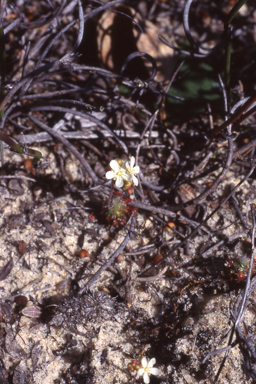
(123, 172)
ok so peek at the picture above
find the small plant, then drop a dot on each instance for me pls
(123, 173)
(147, 369)
(134, 366)
(144, 368)
(238, 267)
(118, 210)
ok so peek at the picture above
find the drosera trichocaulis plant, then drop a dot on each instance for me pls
(123, 174)
(145, 368)
(238, 266)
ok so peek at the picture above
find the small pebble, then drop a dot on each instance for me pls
(157, 258)
(22, 248)
(83, 253)
(28, 164)
(120, 258)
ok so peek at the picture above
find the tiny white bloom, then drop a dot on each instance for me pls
(147, 369)
(132, 170)
(118, 173)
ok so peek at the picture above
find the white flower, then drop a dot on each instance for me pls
(118, 173)
(123, 172)
(131, 170)
(147, 369)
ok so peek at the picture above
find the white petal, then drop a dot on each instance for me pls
(140, 372)
(127, 177)
(132, 161)
(127, 166)
(110, 174)
(136, 169)
(119, 182)
(123, 166)
(151, 362)
(114, 165)
(154, 371)
(146, 378)
(144, 362)
(135, 181)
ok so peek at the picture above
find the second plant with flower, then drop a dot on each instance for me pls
(123, 172)
(147, 369)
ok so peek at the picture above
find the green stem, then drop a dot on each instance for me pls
(234, 11)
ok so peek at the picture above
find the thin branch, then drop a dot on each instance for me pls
(246, 104)
(112, 258)
(80, 31)
(84, 115)
(68, 145)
